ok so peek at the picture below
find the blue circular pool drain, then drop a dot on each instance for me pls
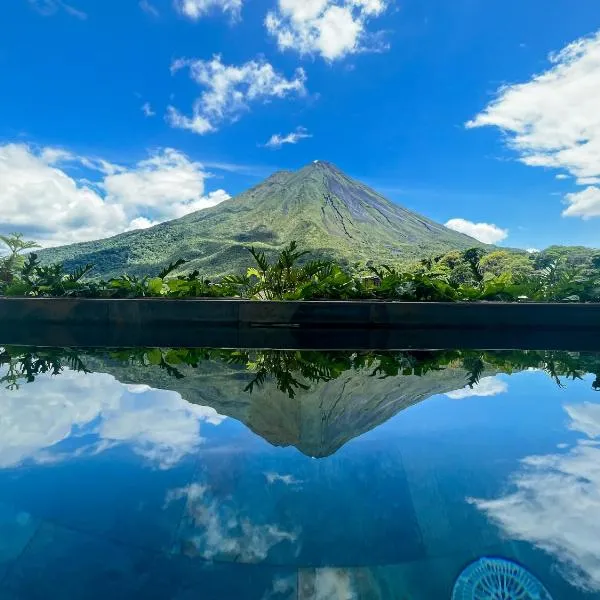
(498, 579)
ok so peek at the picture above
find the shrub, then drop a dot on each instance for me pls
(472, 275)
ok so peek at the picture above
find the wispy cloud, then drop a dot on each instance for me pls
(241, 169)
(51, 7)
(196, 9)
(273, 477)
(147, 109)
(278, 140)
(74, 12)
(149, 8)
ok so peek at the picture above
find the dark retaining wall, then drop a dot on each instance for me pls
(199, 336)
(316, 325)
(361, 314)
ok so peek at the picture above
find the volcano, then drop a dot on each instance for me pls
(325, 211)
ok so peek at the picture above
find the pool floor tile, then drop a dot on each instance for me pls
(17, 528)
(131, 509)
(176, 577)
(440, 490)
(62, 564)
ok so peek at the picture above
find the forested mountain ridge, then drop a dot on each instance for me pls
(324, 210)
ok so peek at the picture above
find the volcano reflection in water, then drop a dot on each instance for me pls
(178, 473)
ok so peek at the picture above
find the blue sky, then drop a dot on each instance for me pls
(405, 95)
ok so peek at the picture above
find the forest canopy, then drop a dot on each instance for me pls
(558, 274)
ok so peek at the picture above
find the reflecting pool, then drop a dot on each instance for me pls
(270, 475)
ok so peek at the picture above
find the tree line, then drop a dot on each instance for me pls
(293, 371)
(558, 274)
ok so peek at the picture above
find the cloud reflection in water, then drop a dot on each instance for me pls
(556, 505)
(158, 425)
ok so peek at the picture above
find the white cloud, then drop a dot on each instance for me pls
(165, 186)
(488, 233)
(51, 7)
(156, 424)
(48, 205)
(331, 28)
(585, 204)
(585, 418)
(219, 531)
(553, 119)
(196, 124)
(149, 8)
(533, 250)
(195, 9)
(273, 477)
(40, 199)
(277, 140)
(556, 502)
(229, 90)
(53, 156)
(141, 223)
(488, 386)
(562, 176)
(147, 109)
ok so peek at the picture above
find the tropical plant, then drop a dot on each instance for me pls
(38, 280)
(11, 265)
(396, 285)
(468, 276)
(272, 281)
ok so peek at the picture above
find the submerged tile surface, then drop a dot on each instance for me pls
(17, 529)
(179, 577)
(68, 565)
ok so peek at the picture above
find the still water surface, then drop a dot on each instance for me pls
(183, 474)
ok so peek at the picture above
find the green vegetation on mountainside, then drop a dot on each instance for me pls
(470, 275)
(326, 212)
